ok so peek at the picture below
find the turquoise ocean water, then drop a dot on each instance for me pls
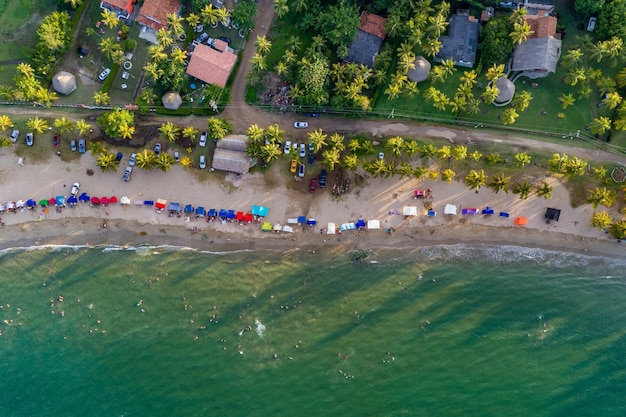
(444, 331)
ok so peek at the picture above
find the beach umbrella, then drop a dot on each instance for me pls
(231, 214)
(59, 200)
(104, 201)
(200, 211)
(52, 201)
(248, 218)
(360, 224)
(223, 214)
(31, 203)
(302, 219)
(125, 200)
(521, 221)
(267, 226)
(72, 200)
(84, 197)
(43, 203)
(239, 216)
(188, 208)
(212, 212)
(113, 200)
(95, 201)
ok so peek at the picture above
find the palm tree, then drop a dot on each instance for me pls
(281, 68)
(190, 133)
(612, 100)
(154, 70)
(146, 159)
(379, 167)
(101, 98)
(602, 197)
(544, 190)
(522, 159)
(395, 145)
(599, 125)
(459, 152)
(521, 100)
(475, 179)
(262, 44)
(567, 100)
(354, 145)
(318, 139)
(405, 170)
(518, 15)
(74, 4)
(393, 91)
(209, 15)
(448, 175)
(493, 159)
(164, 38)
(63, 125)
(274, 133)
(558, 163)
(258, 62)
(523, 189)
(281, 8)
(165, 162)
(509, 116)
(573, 58)
(420, 172)
(300, 5)
(350, 161)
(255, 133)
(223, 14)
(618, 229)
(411, 147)
(440, 101)
(193, 20)
(337, 142)
(5, 122)
(494, 72)
(428, 151)
(179, 56)
(186, 162)
(500, 183)
(438, 24)
(601, 220)
(37, 125)
(576, 166)
(110, 19)
(432, 47)
(270, 152)
(600, 173)
(95, 147)
(490, 94)
(521, 32)
(83, 127)
(169, 131)
(107, 160)
(444, 152)
(475, 155)
(331, 157)
(469, 78)
(108, 46)
(175, 23)
(126, 131)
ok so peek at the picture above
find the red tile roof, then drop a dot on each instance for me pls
(120, 4)
(154, 13)
(542, 25)
(373, 24)
(211, 66)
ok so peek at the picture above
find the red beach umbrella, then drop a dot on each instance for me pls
(95, 200)
(521, 221)
(52, 201)
(249, 218)
(104, 201)
(113, 200)
(239, 216)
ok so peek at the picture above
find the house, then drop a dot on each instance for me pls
(368, 41)
(212, 65)
(123, 8)
(462, 40)
(153, 13)
(539, 6)
(537, 57)
(541, 25)
(230, 154)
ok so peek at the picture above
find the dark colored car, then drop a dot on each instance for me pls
(225, 39)
(82, 51)
(312, 114)
(311, 157)
(323, 178)
(157, 149)
(313, 186)
(119, 156)
(56, 139)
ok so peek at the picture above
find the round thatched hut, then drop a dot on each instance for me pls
(171, 100)
(64, 82)
(506, 90)
(421, 70)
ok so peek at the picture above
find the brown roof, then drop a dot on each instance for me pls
(120, 4)
(154, 13)
(220, 45)
(373, 24)
(542, 26)
(211, 66)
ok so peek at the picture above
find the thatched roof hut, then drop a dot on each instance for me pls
(230, 154)
(171, 100)
(506, 90)
(64, 82)
(421, 70)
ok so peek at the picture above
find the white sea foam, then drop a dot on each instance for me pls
(260, 327)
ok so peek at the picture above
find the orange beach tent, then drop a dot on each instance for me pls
(521, 221)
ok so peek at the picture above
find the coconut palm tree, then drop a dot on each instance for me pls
(37, 125)
(411, 147)
(109, 18)
(618, 229)
(179, 56)
(337, 142)
(432, 47)
(175, 23)
(518, 15)
(209, 15)
(602, 197)
(186, 162)
(404, 170)
(271, 152)
(522, 159)
(106, 161)
(157, 54)
(573, 58)
(544, 190)
(567, 100)
(331, 157)
(164, 37)
(438, 24)
(146, 159)
(274, 133)
(165, 162)
(83, 127)
(126, 131)
(262, 44)
(255, 133)
(445, 152)
(522, 100)
(558, 163)
(108, 46)
(469, 78)
(440, 101)
(600, 173)
(611, 100)
(601, 220)
(169, 131)
(395, 145)
(350, 161)
(101, 98)
(576, 166)
(258, 62)
(393, 91)
(193, 20)
(500, 183)
(493, 159)
(5, 122)
(576, 75)
(428, 150)
(494, 72)
(420, 172)
(600, 125)
(475, 179)
(377, 168)
(354, 145)
(459, 152)
(509, 116)
(318, 139)
(476, 156)
(521, 32)
(95, 147)
(63, 124)
(154, 70)
(74, 4)
(223, 14)
(281, 8)
(523, 189)
(448, 175)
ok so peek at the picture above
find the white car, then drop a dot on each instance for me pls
(203, 139)
(14, 135)
(301, 125)
(132, 160)
(75, 189)
(127, 173)
(29, 139)
(287, 146)
(302, 150)
(202, 162)
(104, 74)
(176, 156)
(301, 171)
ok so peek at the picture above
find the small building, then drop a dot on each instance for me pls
(64, 83)
(506, 90)
(537, 57)
(369, 39)
(230, 154)
(541, 25)
(212, 65)
(461, 43)
(171, 100)
(421, 70)
(123, 8)
(153, 13)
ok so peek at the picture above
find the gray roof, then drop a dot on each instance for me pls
(171, 100)
(364, 48)
(506, 90)
(421, 70)
(461, 42)
(233, 143)
(539, 55)
(64, 82)
(232, 161)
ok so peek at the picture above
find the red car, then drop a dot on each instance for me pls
(56, 139)
(313, 186)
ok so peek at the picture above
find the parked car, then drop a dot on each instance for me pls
(312, 114)
(73, 145)
(29, 139)
(56, 140)
(104, 74)
(301, 125)
(176, 156)
(203, 139)
(302, 150)
(287, 146)
(119, 156)
(311, 158)
(381, 155)
(294, 166)
(157, 149)
(203, 37)
(311, 147)
(132, 160)
(75, 189)
(202, 162)
(82, 51)
(225, 39)
(313, 185)
(82, 145)
(14, 135)
(592, 24)
(301, 171)
(127, 173)
(323, 178)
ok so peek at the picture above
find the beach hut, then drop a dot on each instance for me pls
(174, 207)
(331, 229)
(148, 203)
(520, 221)
(552, 214)
(373, 224)
(64, 82)
(347, 226)
(267, 227)
(409, 211)
(125, 201)
(506, 90)
(292, 220)
(301, 219)
(450, 209)
(171, 100)
(421, 69)
(504, 214)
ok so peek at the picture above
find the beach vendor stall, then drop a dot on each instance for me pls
(450, 209)
(408, 211)
(373, 224)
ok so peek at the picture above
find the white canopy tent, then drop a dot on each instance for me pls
(373, 224)
(287, 229)
(292, 221)
(331, 229)
(450, 209)
(410, 211)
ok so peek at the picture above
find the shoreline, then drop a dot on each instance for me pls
(85, 231)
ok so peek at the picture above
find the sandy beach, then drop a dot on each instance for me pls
(287, 197)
